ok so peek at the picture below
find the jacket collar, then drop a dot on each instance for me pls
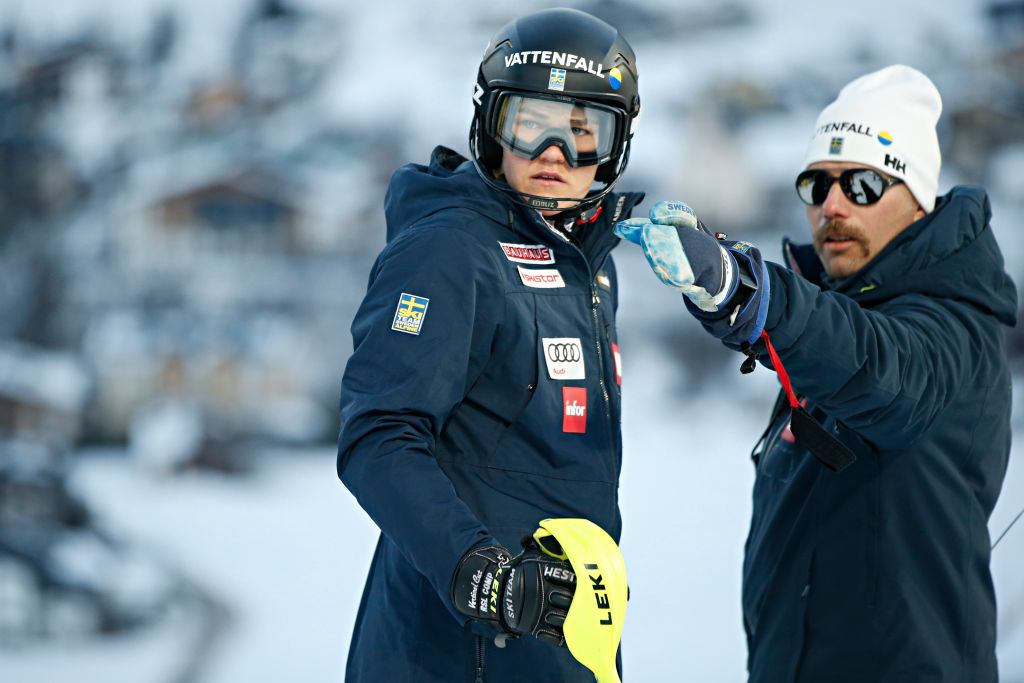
(949, 253)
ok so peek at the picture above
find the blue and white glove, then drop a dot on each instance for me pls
(725, 282)
(683, 255)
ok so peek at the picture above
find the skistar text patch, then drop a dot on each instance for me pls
(410, 313)
(527, 253)
(545, 278)
(574, 410)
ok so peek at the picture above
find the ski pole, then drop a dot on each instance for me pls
(1007, 529)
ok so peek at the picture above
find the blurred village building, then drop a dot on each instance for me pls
(191, 245)
(199, 245)
(178, 266)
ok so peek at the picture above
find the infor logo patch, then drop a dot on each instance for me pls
(574, 410)
(410, 313)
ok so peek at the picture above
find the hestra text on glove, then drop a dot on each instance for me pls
(527, 594)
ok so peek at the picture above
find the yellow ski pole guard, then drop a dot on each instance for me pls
(593, 626)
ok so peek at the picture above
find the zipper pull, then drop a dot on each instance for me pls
(479, 659)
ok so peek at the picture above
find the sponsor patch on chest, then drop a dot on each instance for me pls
(564, 357)
(617, 356)
(527, 253)
(544, 278)
(574, 410)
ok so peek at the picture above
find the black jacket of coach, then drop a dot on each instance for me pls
(880, 572)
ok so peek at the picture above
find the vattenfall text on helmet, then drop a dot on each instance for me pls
(566, 59)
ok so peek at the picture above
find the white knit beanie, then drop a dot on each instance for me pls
(886, 120)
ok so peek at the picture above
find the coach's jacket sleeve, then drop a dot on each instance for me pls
(886, 372)
(400, 387)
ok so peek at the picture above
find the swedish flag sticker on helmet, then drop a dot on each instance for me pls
(615, 78)
(556, 81)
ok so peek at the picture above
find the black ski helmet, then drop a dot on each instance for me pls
(564, 55)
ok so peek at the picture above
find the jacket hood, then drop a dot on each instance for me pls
(951, 253)
(449, 181)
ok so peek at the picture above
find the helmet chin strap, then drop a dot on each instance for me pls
(540, 202)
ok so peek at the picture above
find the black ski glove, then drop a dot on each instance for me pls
(527, 594)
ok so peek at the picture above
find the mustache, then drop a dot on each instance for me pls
(837, 230)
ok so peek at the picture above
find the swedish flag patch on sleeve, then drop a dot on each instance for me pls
(410, 313)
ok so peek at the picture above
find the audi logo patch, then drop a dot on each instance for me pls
(564, 357)
(564, 353)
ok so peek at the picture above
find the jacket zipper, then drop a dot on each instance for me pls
(595, 302)
(479, 659)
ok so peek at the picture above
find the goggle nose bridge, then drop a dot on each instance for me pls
(554, 137)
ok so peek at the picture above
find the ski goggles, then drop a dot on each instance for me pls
(587, 133)
(862, 186)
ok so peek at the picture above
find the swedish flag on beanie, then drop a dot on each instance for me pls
(885, 119)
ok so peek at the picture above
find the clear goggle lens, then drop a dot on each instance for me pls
(587, 133)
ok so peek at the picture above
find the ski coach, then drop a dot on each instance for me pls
(482, 395)
(868, 552)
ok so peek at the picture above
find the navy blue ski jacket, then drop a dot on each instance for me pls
(880, 572)
(481, 397)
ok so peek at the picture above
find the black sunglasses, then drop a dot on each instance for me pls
(860, 185)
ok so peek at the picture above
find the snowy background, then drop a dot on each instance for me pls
(262, 556)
